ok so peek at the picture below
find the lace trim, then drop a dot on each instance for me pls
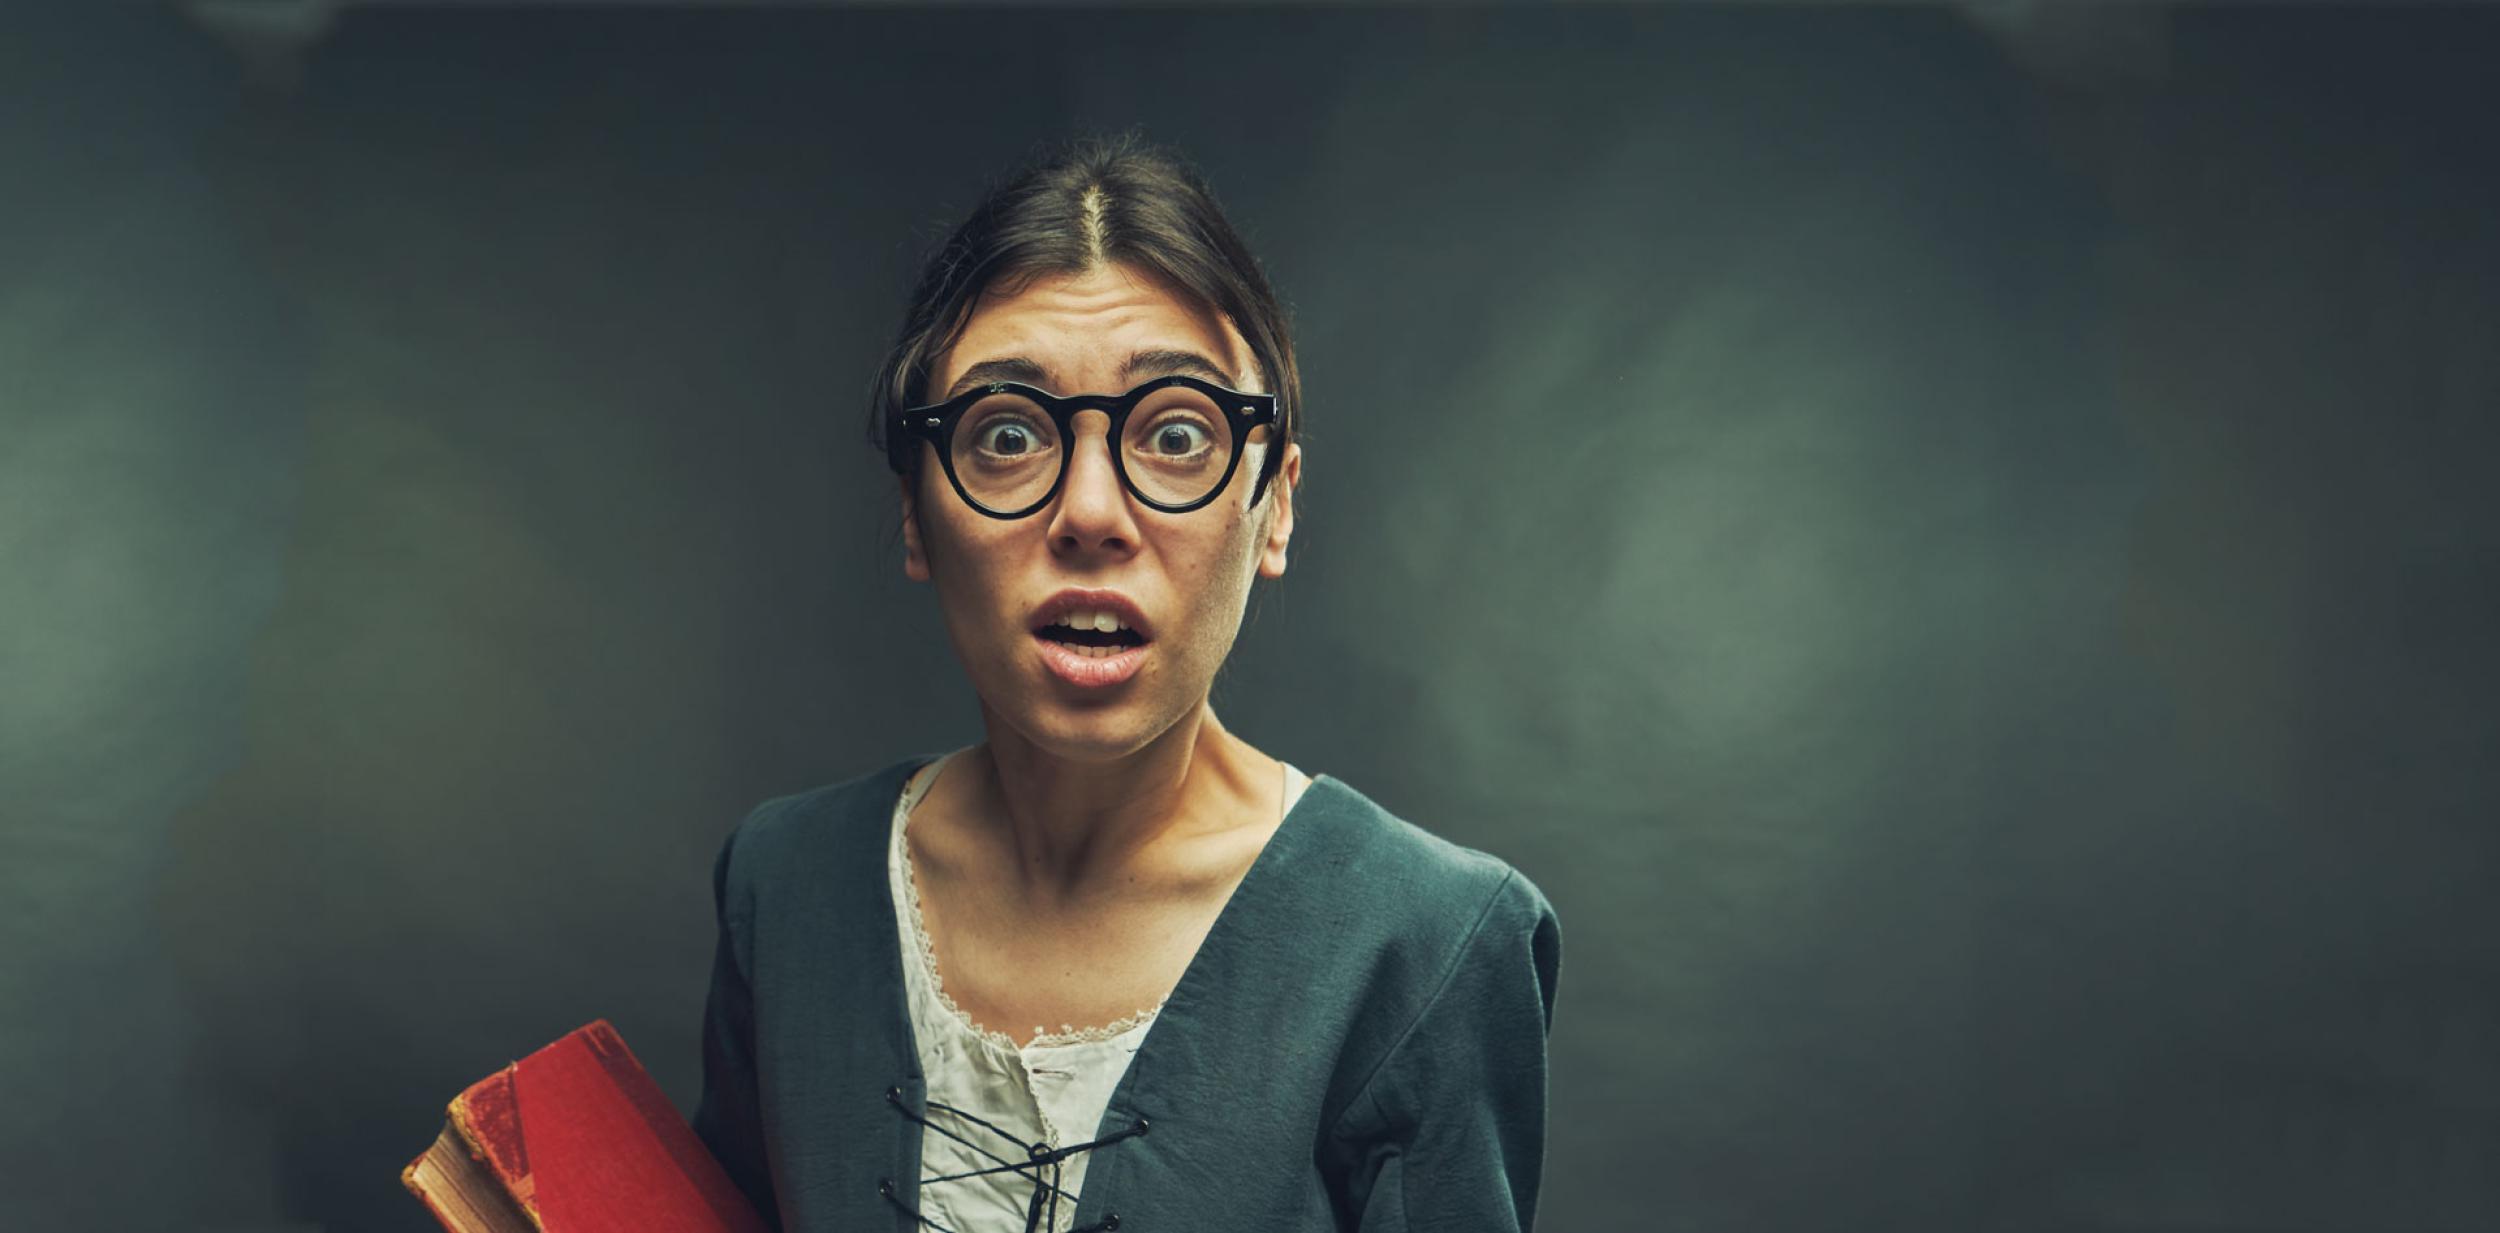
(1068, 1034)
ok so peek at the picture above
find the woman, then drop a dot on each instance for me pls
(1112, 967)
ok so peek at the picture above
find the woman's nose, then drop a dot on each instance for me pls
(1091, 496)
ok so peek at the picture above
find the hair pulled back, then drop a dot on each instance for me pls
(1086, 203)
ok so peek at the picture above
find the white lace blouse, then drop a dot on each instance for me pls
(1051, 1090)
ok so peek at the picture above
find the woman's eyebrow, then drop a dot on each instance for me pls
(1157, 362)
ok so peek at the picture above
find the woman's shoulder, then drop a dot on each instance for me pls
(1385, 843)
(1425, 936)
(780, 817)
(812, 831)
(1409, 881)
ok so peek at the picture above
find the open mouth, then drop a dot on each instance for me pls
(1091, 642)
(1091, 658)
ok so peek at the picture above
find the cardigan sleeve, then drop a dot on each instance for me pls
(728, 1118)
(1449, 1132)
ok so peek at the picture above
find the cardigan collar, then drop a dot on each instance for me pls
(1185, 1038)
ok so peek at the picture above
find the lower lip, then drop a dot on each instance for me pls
(1078, 670)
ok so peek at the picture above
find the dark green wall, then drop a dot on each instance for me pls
(1957, 548)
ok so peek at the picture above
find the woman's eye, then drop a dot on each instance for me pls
(1178, 439)
(1008, 439)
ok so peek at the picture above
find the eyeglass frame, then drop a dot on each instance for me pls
(935, 423)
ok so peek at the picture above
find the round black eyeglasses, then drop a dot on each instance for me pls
(1006, 445)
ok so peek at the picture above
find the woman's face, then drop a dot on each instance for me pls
(1188, 575)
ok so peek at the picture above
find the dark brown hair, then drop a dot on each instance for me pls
(1088, 202)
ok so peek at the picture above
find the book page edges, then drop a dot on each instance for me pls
(462, 1195)
(489, 1123)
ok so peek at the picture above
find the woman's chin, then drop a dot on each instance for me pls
(1092, 734)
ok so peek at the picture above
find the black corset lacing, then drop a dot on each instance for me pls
(1041, 1163)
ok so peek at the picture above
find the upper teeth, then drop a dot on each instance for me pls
(1103, 621)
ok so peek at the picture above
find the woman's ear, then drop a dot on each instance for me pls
(915, 557)
(1280, 519)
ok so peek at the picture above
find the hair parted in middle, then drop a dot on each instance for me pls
(1084, 203)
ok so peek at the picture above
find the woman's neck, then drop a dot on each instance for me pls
(1072, 827)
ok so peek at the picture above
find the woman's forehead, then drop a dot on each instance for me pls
(1107, 323)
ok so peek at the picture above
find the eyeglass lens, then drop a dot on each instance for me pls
(1175, 447)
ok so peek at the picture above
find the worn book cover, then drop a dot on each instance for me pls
(574, 1138)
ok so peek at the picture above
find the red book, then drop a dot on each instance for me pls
(574, 1138)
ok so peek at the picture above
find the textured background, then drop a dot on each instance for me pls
(1956, 545)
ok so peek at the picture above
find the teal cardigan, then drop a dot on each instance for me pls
(1359, 1042)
